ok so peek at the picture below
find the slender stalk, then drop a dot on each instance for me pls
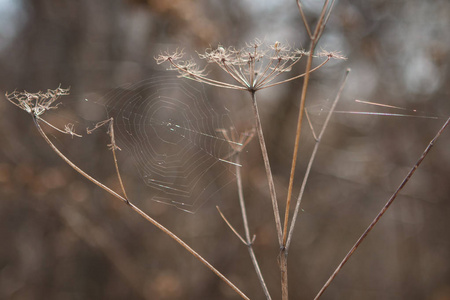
(383, 210)
(136, 209)
(113, 148)
(311, 160)
(314, 40)
(267, 85)
(206, 79)
(231, 226)
(265, 156)
(305, 22)
(241, 199)
(282, 260)
(296, 143)
(247, 230)
(244, 139)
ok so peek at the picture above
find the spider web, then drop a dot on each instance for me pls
(168, 128)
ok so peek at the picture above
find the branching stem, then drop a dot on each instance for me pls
(383, 210)
(247, 230)
(311, 159)
(326, 10)
(265, 156)
(136, 209)
(314, 40)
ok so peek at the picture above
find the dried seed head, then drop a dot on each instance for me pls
(253, 67)
(169, 56)
(37, 103)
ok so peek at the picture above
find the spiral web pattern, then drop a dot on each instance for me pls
(169, 129)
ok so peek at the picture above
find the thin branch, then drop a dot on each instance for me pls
(298, 76)
(67, 130)
(305, 22)
(311, 160)
(136, 209)
(296, 144)
(204, 79)
(284, 253)
(314, 41)
(231, 226)
(247, 231)
(384, 209)
(269, 175)
(327, 16)
(113, 146)
(310, 125)
(244, 139)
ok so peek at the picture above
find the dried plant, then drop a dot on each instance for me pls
(252, 68)
(42, 102)
(255, 67)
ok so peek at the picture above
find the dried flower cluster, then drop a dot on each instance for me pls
(254, 67)
(36, 103)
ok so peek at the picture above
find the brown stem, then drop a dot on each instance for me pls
(284, 274)
(136, 209)
(314, 40)
(311, 160)
(297, 141)
(265, 156)
(383, 210)
(247, 230)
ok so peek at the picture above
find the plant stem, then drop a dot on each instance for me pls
(284, 274)
(311, 160)
(314, 40)
(297, 141)
(284, 252)
(325, 13)
(136, 209)
(383, 210)
(265, 156)
(247, 230)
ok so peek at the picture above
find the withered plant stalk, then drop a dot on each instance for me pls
(323, 19)
(36, 104)
(252, 68)
(244, 139)
(384, 209)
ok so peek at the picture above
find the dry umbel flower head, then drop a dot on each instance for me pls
(36, 103)
(253, 67)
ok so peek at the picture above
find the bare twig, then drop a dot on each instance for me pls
(135, 208)
(244, 140)
(231, 226)
(326, 10)
(247, 231)
(269, 175)
(311, 160)
(305, 22)
(383, 210)
(310, 124)
(113, 146)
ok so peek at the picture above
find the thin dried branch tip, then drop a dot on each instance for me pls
(37, 103)
(169, 56)
(331, 54)
(253, 67)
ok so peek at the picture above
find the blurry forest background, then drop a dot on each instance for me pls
(64, 238)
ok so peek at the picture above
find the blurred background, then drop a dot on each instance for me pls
(64, 238)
